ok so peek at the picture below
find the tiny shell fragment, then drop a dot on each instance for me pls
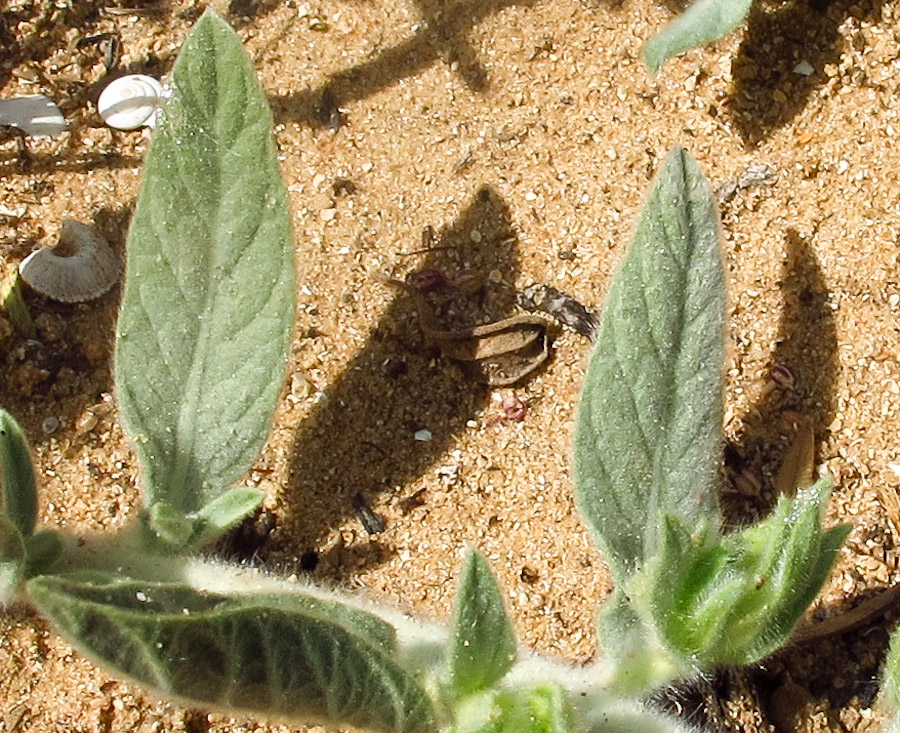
(36, 115)
(80, 267)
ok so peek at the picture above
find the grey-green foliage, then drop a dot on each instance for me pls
(203, 335)
(650, 414)
(647, 446)
(18, 492)
(202, 340)
(542, 708)
(481, 652)
(22, 551)
(735, 601)
(208, 303)
(703, 22)
(284, 655)
(484, 645)
(890, 683)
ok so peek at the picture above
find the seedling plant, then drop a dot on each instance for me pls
(201, 348)
(704, 21)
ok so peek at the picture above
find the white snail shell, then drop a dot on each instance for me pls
(80, 267)
(130, 102)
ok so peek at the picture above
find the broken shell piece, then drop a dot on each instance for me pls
(36, 115)
(130, 102)
(81, 266)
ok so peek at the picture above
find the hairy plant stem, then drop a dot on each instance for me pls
(421, 646)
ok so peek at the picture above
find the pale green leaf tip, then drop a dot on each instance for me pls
(484, 643)
(223, 513)
(18, 498)
(703, 22)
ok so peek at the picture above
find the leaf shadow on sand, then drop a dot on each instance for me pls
(833, 668)
(358, 439)
(442, 36)
(767, 94)
(806, 352)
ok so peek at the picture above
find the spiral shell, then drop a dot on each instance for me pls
(80, 267)
(130, 102)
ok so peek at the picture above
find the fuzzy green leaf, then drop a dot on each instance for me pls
(890, 684)
(223, 513)
(736, 601)
(703, 22)
(12, 560)
(42, 549)
(548, 710)
(208, 304)
(484, 645)
(294, 657)
(631, 643)
(647, 436)
(540, 709)
(170, 528)
(19, 490)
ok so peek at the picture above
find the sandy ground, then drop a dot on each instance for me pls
(520, 137)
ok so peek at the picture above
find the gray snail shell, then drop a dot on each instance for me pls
(80, 267)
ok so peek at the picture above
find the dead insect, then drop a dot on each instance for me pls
(564, 308)
(427, 281)
(413, 501)
(498, 354)
(372, 522)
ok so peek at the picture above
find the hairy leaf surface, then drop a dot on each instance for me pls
(650, 415)
(18, 500)
(484, 645)
(890, 685)
(703, 22)
(538, 709)
(208, 303)
(737, 601)
(290, 656)
(12, 560)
